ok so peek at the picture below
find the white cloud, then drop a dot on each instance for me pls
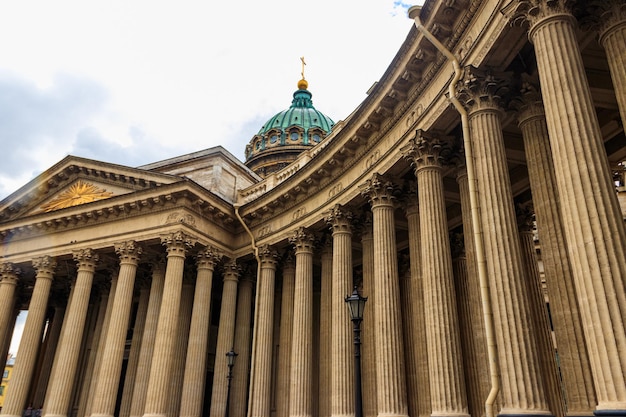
(160, 79)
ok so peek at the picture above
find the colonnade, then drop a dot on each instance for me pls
(424, 350)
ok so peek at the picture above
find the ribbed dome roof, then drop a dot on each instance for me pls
(287, 134)
(300, 113)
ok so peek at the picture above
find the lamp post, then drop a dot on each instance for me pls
(230, 357)
(357, 305)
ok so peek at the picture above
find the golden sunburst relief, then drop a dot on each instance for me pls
(78, 193)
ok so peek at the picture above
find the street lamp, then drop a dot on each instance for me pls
(356, 303)
(230, 357)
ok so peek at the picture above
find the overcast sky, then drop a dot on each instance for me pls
(134, 82)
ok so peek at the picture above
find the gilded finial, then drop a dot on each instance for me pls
(302, 84)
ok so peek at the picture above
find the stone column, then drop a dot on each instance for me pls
(522, 387)
(391, 393)
(570, 340)
(368, 331)
(447, 388)
(176, 244)
(301, 392)
(197, 348)
(325, 368)
(59, 392)
(537, 301)
(105, 393)
(610, 20)
(473, 334)
(286, 333)
(180, 347)
(342, 349)
(225, 339)
(17, 392)
(259, 399)
(147, 339)
(135, 348)
(418, 384)
(51, 345)
(594, 229)
(239, 383)
(97, 348)
(9, 275)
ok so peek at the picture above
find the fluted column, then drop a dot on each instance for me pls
(239, 383)
(225, 339)
(473, 335)
(368, 331)
(570, 340)
(59, 393)
(610, 19)
(53, 335)
(325, 368)
(99, 344)
(594, 229)
(522, 386)
(147, 339)
(107, 382)
(547, 352)
(135, 348)
(176, 244)
(391, 393)
(342, 363)
(261, 373)
(447, 387)
(8, 282)
(418, 385)
(177, 374)
(17, 391)
(301, 391)
(196, 363)
(285, 337)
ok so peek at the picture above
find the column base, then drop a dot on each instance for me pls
(609, 413)
(529, 414)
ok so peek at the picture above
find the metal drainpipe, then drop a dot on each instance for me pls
(258, 276)
(414, 13)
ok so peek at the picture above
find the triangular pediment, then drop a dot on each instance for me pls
(76, 181)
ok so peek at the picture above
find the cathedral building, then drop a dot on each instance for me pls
(496, 129)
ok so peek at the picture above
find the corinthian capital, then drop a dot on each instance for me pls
(9, 272)
(379, 190)
(425, 150)
(604, 16)
(534, 11)
(528, 103)
(45, 266)
(302, 240)
(178, 243)
(128, 251)
(85, 259)
(339, 219)
(484, 89)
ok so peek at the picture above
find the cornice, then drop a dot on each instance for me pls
(184, 194)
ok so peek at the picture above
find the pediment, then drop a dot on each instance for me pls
(76, 181)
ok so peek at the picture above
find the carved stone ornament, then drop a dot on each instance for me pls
(80, 192)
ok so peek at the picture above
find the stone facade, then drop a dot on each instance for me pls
(412, 200)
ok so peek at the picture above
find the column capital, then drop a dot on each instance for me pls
(208, 258)
(268, 257)
(537, 12)
(302, 240)
(529, 103)
(86, 259)
(177, 243)
(425, 150)
(604, 16)
(129, 251)
(9, 273)
(483, 89)
(339, 219)
(231, 271)
(525, 214)
(45, 266)
(379, 191)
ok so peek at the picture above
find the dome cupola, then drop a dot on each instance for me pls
(288, 133)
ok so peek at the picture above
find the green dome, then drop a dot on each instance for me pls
(287, 134)
(301, 113)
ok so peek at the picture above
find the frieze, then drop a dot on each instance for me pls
(178, 217)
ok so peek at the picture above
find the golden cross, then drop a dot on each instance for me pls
(303, 64)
